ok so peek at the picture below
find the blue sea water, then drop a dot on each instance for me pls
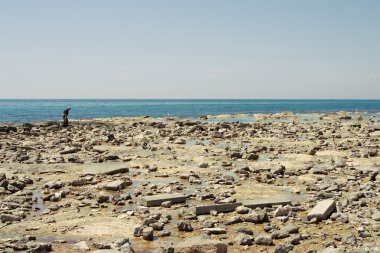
(26, 110)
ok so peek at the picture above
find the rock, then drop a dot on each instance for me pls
(283, 248)
(69, 150)
(269, 202)
(349, 239)
(54, 185)
(115, 171)
(79, 182)
(244, 239)
(184, 226)
(102, 198)
(376, 216)
(147, 234)
(219, 208)
(322, 210)
(111, 157)
(166, 204)
(117, 185)
(292, 229)
(256, 217)
(281, 211)
(138, 231)
(164, 233)
(200, 244)
(278, 170)
(203, 165)
(280, 234)
(9, 218)
(242, 210)
(215, 231)
(157, 200)
(252, 156)
(39, 247)
(81, 246)
(263, 240)
(232, 220)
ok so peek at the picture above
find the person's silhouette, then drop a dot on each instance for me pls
(66, 117)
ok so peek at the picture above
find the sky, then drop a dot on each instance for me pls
(190, 49)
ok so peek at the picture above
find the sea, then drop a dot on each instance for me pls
(37, 110)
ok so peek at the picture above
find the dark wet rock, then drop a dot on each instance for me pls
(203, 165)
(184, 226)
(157, 226)
(111, 157)
(102, 198)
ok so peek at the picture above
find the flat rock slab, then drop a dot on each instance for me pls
(157, 200)
(322, 210)
(266, 203)
(117, 185)
(105, 169)
(220, 208)
(200, 244)
(215, 231)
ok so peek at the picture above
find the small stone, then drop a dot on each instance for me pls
(281, 211)
(283, 248)
(203, 165)
(184, 226)
(147, 234)
(164, 233)
(232, 220)
(166, 204)
(263, 240)
(82, 246)
(256, 217)
(242, 210)
(244, 239)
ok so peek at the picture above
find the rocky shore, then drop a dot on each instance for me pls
(277, 183)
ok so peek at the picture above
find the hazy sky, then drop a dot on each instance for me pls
(190, 49)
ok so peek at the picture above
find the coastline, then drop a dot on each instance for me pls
(86, 182)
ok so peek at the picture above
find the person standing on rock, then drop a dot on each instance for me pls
(66, 117)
